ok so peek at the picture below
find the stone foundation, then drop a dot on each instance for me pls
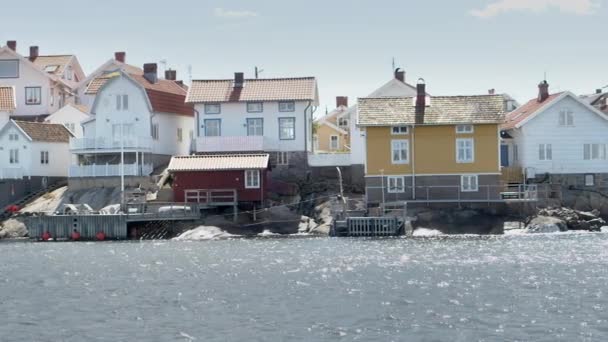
(12, 190)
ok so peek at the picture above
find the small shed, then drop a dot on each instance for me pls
(220, 179)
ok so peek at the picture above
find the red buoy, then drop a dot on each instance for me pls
(46, 236)
(75, 235)
(100, 236)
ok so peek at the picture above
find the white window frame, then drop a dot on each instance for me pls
(287, 106)
(566, 118)
(122, 102)
(44, 157)
(282, 158)
(400, 160)
(462, 159)
(331, 142)
(255, 126)
(219, 127)
(213, 108)
(393, 186)
(515, 153)
(13, 137)
(251, 107)
(465, 129)
(589, 179)
(69, 73)
(14, 156)
(342, 122)
(466, 185)
(400, 130)
(252, 179)
(283, 125)
(180, 135)
(545, 152)
(37, 99)
(594, 151)
(154, 132)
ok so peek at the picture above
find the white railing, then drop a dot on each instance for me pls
(233, 144)
(328, 159)
(109, 170)
(12, 173)
(129, 143)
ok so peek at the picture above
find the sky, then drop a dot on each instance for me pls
(460, 47)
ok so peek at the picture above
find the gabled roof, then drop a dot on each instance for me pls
(219, 162)
(109, 66)
(42, 131)
(270, 89)
(7, 99)
(394, 83)
(79, 108)
(60, 61)
(532, 108)
(443, 110)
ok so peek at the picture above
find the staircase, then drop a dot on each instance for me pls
(32, 196)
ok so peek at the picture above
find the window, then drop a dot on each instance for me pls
(287, 106)
(594, 152)
(396, 130)
(154, 132)
(252, 179)
(545, 152)
(179, 135)
(191, 135)
(464, 129)
(396, 185)
(13, 137)
(51, 68)
(469, 183)
(342, 122)
(255, 107)
(465, 150)
(14, 156)
(52, 96)
(515, 153)
(213, 108)
(9, 68)
(70, 126)
(400, 153)
(33, 95)
(566, 118)
(334, 142)
(589, 180)
(282, 158)
(287, 128)
(255, 127)
(213, 127)
(44, 157)
(122, 102)
(69, 73)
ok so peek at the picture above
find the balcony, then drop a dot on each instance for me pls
(329, 159)
(109, 170)
(12, 173)
(130, 143)
(233, 144)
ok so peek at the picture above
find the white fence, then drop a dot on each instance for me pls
(129, 143)
(329, 159)
(12, 173)
(233, 144)
(110, 170)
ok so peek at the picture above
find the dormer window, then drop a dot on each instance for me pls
(51, 68)
(566, 118)
(464, 129)
(398, 130)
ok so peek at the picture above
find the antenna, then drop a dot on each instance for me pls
(163, 62)
(544, 79)
(393, 69)
(257, 72)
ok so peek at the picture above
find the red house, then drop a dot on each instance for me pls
(220, 179)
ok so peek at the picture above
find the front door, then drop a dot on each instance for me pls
(504, 155)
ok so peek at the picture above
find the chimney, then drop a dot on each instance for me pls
(420, 100)
(171, 75)
(598, 91)
(151, 72)
(239, 79)
(543, 91)
(400, 75)
(491, 91)
(12, 44)
(180, 83)
(341, 101)
(120, 56)
(33, 52)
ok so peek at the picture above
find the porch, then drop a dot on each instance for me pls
(110, 170)
(105, 145)
(512, 175)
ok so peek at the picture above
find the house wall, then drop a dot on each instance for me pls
(234, 118)
(167, 142)
(567, 142)
(23, 144)
(69, 115)
(218, 180)
(324, 132)
(434, 150)
(29, 76)
(59, 159)
(4, 117)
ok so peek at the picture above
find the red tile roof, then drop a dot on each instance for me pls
(271, 89)
(42, 131)
(7, 99)
(522, 113)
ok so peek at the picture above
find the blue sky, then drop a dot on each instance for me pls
(459, 47)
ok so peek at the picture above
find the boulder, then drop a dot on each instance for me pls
(546, 224)
(13, 229)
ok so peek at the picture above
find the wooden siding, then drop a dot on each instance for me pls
(435, 150)
(323, 134)
(210, 180)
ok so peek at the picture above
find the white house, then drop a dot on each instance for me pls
(113, 64)
(7, 103)
(42, 83)
(251, 115)
(557, 134)
(141, 115)
(70, 116)
(33, 149)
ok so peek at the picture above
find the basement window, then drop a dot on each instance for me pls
(589, 180)
(469, 183)
(396, 185)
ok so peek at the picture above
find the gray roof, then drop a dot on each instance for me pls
(479, 109)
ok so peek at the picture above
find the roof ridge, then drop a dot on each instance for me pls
(258, 79)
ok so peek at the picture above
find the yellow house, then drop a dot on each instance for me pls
(331, 132)
(432, 149)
